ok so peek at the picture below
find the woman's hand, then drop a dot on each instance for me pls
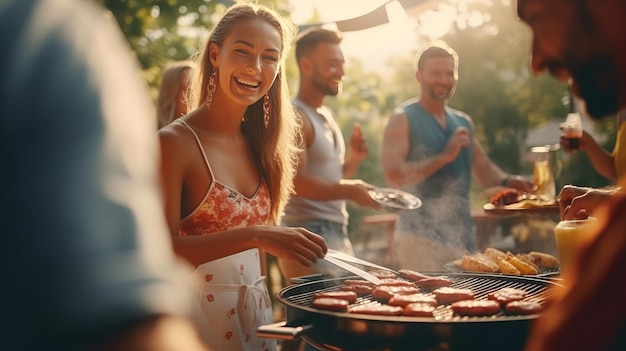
(292, 243)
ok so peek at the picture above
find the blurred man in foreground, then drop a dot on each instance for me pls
(582, 41)
(86, 259)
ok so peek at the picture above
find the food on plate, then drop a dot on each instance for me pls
(524, 257)
(349, 296)
(506, 267)
(525, 267)
(475, 307)
(523, 307)
(434, 282)
(505, 197)
(478, 263)
(543, 260)
(448, 295)
(382, 274)
(412, 275)
(513, 199)
(494, 253)
(395, 199)
(386, 292)
(395, 282)
(327, 303)
(403, 300)
(506, 295)
(492, 260)
(360, 290)
(418, 309)
(500, 258)
(381, 310)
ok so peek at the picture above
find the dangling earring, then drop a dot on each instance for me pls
(211, 89)
(266, 110)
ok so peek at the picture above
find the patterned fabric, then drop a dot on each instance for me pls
(224, 208)
(232, 296)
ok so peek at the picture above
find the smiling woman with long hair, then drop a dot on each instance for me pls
(227, 170)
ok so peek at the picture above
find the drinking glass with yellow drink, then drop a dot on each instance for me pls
(543, 177)
(569, 234)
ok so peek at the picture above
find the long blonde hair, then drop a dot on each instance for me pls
(168, 91)
(274, 148)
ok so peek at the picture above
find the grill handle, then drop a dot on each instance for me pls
(282, 331)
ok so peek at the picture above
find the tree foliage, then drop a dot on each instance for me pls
(161, 31)
(495, 84)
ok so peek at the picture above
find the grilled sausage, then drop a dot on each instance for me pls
(360, 290)
(358, 282)
(475, 307)
(327, 303)
(506, 295)
(448, 295)
(386, 292)
(419, 310)
(412, 275)
(349, 296)
(434, 282)
(523, 307)
(382, 274)
(404, 300)
(395, 282)
(543, 259)
(383, 310)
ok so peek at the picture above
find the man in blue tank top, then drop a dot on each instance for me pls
(430, 150)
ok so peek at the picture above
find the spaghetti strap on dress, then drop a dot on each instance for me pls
(232, 294)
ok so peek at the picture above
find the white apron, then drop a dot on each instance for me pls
(234, 301)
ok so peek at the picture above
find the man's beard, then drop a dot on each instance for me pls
(324, 88)
(598, 85)
(591, 66)
(441, 96)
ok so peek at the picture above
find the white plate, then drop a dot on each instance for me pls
(395, 199)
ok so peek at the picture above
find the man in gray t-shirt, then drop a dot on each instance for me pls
(322, 181)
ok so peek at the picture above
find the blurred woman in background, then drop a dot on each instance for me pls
(172, 100)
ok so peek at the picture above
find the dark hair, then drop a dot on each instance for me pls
(308, 39)
(437, 51)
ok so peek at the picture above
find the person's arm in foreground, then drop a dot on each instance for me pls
(87, 245)
(573, 198)
(602, 161)
(595, 291)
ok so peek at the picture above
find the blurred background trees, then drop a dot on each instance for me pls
(495, 85)
(161, 31)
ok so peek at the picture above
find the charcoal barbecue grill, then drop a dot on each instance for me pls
(329, 330)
